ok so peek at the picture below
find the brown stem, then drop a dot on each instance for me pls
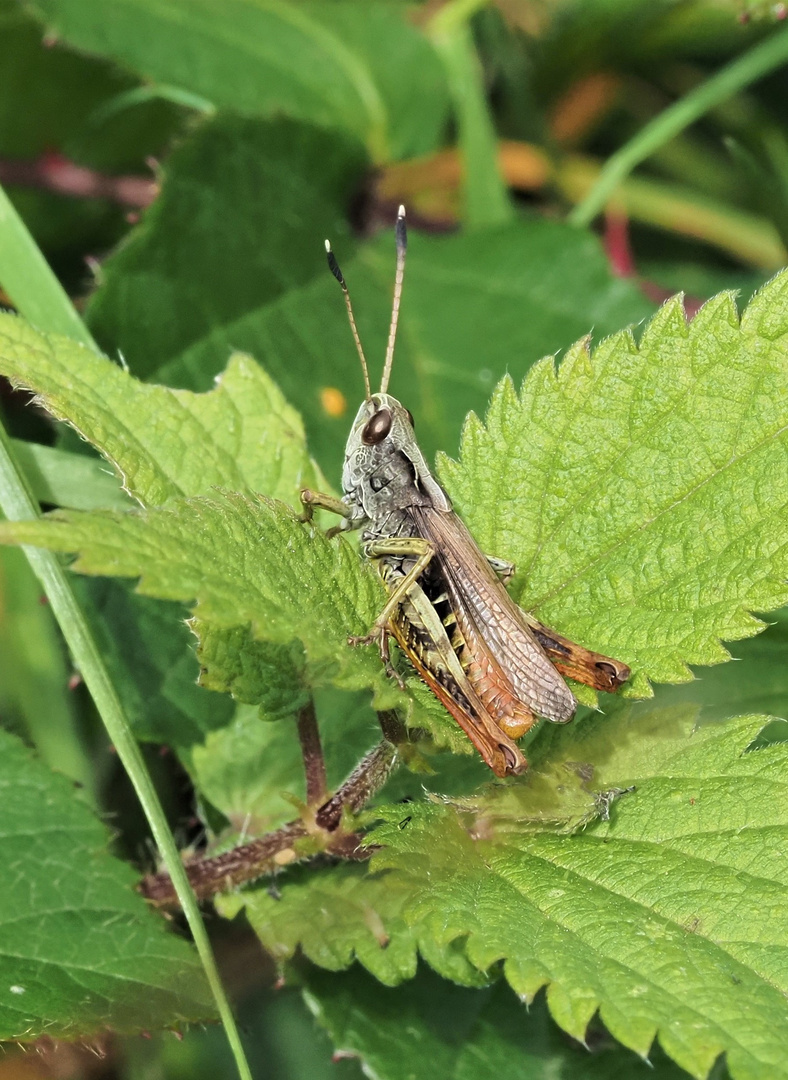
(366, 780)
(392, 727)
(53, 172)
(222, 872)
(312, 753)
(278, 848)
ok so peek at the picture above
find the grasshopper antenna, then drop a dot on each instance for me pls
(333, 266)
(402, 245)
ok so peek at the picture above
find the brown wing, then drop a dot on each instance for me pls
(505, 664)
(498, 751)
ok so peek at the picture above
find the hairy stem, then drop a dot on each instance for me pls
(312, 754)
(366, 780)
(280, 847)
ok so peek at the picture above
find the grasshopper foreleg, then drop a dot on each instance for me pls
(312, 499)
(403, 546)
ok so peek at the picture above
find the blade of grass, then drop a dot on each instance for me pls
(486, 199)
(28, 279)
(32, 287)
(754, 64)
(75, 481)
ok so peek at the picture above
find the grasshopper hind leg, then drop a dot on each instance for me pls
(505, 570)
(397, 547)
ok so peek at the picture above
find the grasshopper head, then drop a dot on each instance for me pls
(384, 468)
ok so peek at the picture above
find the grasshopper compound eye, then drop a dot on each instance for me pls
(376, 429)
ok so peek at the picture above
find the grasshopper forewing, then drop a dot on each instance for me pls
(494, 667)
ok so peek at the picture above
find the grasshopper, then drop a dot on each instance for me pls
(493, 666)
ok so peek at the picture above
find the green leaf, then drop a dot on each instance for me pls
(254, 672)
(230, 256)
(248, 437)
(373, 76)
(345, 914)
(245, 560)
(458, 1033)
(610, 919)
(644, 495)
(81, 951)
(757, 681)
(242, 434)
(613, 918)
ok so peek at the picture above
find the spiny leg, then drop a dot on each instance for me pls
(401, 546)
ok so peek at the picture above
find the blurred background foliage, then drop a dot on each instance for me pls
(179, 163)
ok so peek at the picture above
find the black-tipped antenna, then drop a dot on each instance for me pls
(402, 246)
(333, 266)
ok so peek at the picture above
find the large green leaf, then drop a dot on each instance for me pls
(462, 1034)
(81, 951)
(667, 919)
(611, 918)
(248, 438)
(347, 914)
(366, 71)
(645, 485)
